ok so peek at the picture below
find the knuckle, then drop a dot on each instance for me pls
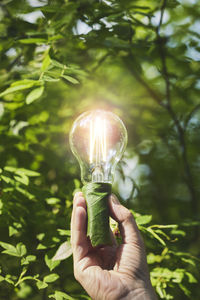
(128, 216)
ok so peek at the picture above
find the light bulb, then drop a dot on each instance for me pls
(98, 139)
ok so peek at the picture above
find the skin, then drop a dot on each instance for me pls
(110, 272)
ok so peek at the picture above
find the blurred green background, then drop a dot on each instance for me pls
(139, 59)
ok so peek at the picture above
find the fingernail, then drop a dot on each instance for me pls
(77, 194)
(114, 199)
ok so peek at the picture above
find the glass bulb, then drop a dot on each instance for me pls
(98, 139)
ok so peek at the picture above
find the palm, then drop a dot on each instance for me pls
(101, 257)
(103, 269)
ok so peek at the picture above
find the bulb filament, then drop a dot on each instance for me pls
(97, 146)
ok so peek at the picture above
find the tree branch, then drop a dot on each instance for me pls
(180, 130)
(158, 99)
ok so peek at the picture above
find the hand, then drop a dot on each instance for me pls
(110, 272)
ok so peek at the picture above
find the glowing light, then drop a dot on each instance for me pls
(97, 140)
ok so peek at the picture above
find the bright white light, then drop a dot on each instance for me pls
(82, 28)
(31, 17)
(97, 141)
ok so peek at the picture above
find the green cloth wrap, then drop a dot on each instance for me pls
(98, 229)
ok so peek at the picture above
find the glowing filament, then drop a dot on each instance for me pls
(97, 141)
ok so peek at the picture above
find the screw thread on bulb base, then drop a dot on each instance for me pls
(98, 229)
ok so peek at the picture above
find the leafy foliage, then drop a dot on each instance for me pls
(139, 59)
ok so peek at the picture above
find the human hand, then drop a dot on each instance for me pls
(110, 272)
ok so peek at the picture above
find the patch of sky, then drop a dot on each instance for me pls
(37, 3)
(197, 85)
(195, 26)
(133, 173)
(96, 26)
(81, 28)
(125, 188)
(107, 2)
(156, 18)
(11, 52)
(107, 23)
(188, 2)
(194, 121)
(15, 126)
(193, 54)
(145, 20)
(31, 17)
(167, 30)
(150, 71)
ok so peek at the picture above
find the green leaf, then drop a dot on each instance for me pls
(18, 87)
(27, 172)
(41, 284)
(6, 179)
(60, 296)
(14, 229)
(40, 236)
(22, 179)
(161, 232)
(21, 249)
(41, 246)
(10, 169)
(58, 64)
(191, 277)
(51, 278)
(33, 41)
(51, 264)
(64, 232)
(46, 62)
(98, 229)
(10, 249)
(52, 201)
(26, 260)
(63, 252)
(70, 79)
(8, 279)
(156, 236)
(22, 171)
(178, 232)
(26, 82)
(145, 219)
(178, 275)
(188, 261)
(185, 289)
(164, 226)
(152, 258)
(34, 94)
(50, 79)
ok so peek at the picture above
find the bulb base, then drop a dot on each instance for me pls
(98, 229)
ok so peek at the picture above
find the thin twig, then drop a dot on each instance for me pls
(190, 115)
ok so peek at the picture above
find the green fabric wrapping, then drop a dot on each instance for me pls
(98, 229)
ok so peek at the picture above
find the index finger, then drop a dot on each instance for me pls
(128, 227)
